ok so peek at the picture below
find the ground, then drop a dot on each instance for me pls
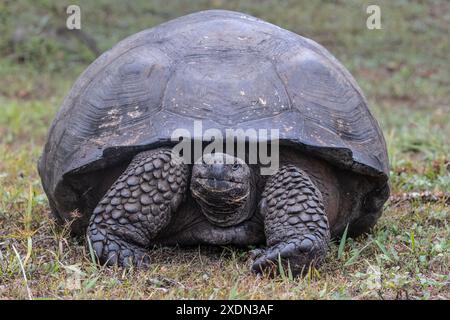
(403, 70)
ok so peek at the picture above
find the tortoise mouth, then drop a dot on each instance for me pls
(219, 185)
(223, 191)
(223, 202)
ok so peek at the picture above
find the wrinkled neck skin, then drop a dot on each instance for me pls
(226, 196)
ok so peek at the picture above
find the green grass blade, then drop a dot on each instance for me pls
(27, 224)
(383, 249)
(413, 241)
(92, 253)
(342, 243)
(281, 269)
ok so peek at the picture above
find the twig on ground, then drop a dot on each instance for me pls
(425, 196)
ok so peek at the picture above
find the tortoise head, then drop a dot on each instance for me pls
(223, 187)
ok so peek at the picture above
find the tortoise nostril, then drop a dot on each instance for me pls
(217, 171)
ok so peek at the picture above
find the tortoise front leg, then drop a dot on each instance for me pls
(295, 222)
(137, 207)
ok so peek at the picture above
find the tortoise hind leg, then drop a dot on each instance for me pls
(295, 222)
(137, 207)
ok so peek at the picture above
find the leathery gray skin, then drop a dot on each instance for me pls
(232, 205)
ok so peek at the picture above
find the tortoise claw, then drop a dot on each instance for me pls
(296, 255)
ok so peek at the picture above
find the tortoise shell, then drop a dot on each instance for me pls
(229, 70)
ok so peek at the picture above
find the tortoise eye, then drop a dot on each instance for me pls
(235, 166)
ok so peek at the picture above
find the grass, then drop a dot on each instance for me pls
(401, 69)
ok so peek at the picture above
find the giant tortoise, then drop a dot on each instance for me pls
(109, 168)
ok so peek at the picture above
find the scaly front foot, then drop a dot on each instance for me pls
(296, 224)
